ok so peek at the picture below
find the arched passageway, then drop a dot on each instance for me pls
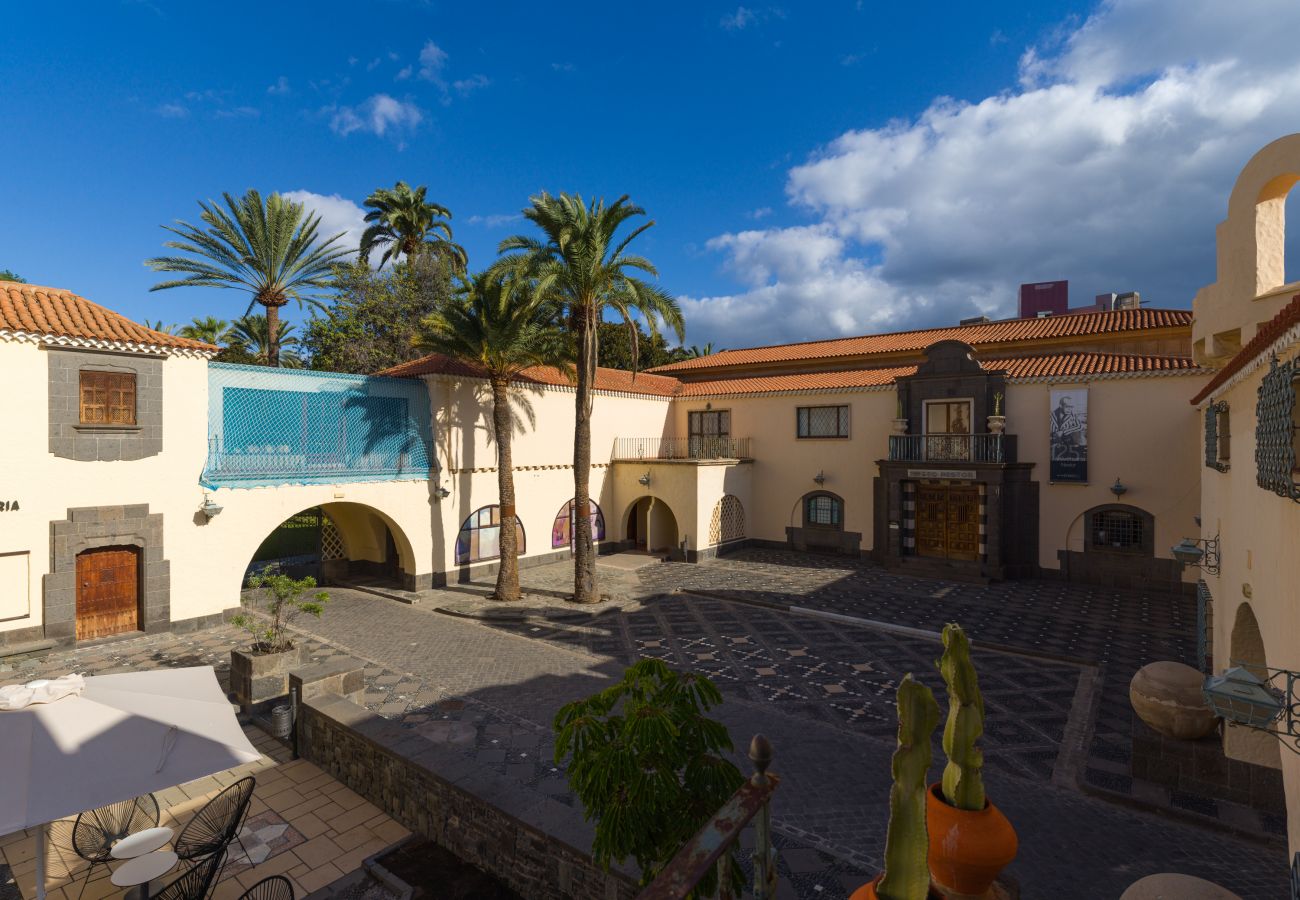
(337, 543)
(1247, 649)
(650, 525)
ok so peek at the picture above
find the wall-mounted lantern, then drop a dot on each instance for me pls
(1202, 553)
(1119, 488)
(645, 479)
(210, 508)
(441, 493)
(820, 478)
(1269, 704)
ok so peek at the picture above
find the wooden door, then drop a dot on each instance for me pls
(108, 592)
(948, 521)
(931, 520)
(963, 531)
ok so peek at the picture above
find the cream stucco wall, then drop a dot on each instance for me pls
(784, 464)
(45, 486)
(1142, 431)
(1260, 569)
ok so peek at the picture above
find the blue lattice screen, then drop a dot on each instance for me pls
(285, 426)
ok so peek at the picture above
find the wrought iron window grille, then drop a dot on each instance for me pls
(1270, 704)
(1275, 430)
(1214, 456)
(1204, 620)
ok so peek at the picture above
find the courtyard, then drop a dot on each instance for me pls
(807, 650)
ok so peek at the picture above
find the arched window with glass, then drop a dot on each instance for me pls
(480, 536)
(823, 509)
(562, 532)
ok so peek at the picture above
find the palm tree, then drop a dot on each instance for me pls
(583, 267)
(269, 249)
(250, 341)
(160, 326)
(504, 325)
(695, 352)
(407, 223)
(208, 329)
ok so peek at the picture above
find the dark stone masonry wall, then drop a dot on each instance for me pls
(1200, 767)
(70, 439)
(436, 790)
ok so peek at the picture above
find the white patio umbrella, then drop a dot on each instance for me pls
(120, 737)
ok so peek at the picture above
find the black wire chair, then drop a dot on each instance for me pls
(97, 830)
(277, 887)
(196, 882)
(217, 823)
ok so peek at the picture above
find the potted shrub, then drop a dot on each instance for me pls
(648, 766)
(907, 875)
(274, 600)
(971, 841)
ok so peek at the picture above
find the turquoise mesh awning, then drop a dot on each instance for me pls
(292, 426)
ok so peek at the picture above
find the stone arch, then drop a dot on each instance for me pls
(727, 523)
(1246, 648)
(1257, 209)
(650, 524)
(352, 540)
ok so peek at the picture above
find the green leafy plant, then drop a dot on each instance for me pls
(963, 784)
(907, 845)
(274, 601)
(997, 404)
(647, 765)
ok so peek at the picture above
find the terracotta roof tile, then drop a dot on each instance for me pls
(1056, 365)
(55, 312)
(1269, 332)
(606, 379)
(981, 334)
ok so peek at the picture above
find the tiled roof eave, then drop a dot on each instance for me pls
(540, 386)
(1067, 378)
(62, 340)
(1284, 342)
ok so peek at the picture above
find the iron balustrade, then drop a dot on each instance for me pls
(982, 448)
(687, 448)
(711, 846)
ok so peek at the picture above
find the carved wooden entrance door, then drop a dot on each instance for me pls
(108, 592)
(947, 521)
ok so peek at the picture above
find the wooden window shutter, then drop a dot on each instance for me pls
(107, 398)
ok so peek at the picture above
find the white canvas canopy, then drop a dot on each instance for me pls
(120, 737)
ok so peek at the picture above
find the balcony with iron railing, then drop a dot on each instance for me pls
(695, 448)
(953, 448)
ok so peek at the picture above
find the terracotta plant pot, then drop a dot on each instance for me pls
(967, 849)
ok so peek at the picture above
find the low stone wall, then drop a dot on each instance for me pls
(1200, 767)
(527, 840)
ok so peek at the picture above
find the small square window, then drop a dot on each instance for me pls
(107, 398)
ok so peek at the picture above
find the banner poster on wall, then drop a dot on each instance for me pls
(1069, 431)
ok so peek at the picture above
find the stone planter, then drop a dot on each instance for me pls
(997, 424)
(1167, 696)
(257, 679)
(900, 426)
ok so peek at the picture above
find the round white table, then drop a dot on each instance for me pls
(142, 842)
(141, 870)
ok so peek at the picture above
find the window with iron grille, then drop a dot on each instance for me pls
(823, 511)
(822, 421)
(107, 398)
(1218, 436)
(1114, 529)
(1276, 430)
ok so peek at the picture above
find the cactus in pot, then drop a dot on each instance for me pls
(971, 841)
(963, 781)
(907, 874)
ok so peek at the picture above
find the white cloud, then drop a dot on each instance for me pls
(737, 20)
(495, 220)
(433, 59)
(338, 215)
(280, 88)
(1109, 164)
(761, 213)
(563, 67)
(404, 73)
(172, 111)
(379, 115)
(467, 86)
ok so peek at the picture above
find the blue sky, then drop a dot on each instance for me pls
(815, 169)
